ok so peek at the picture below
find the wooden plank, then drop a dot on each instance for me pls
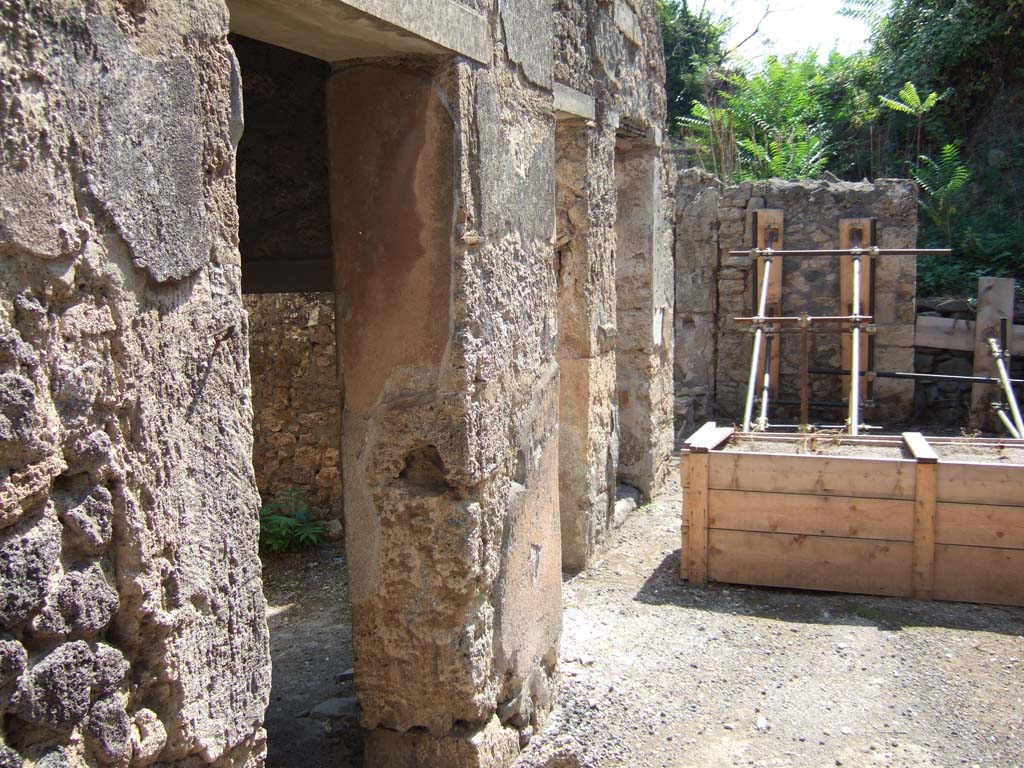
(981, 525)
(840, 516)
(919, 447)
(810, 562)
(944, 333)
(682, 556)
(923, 577)
(951, 333)
(695, 499)
(846, 228)
(979, 574)
(708, 437)
(770, 219)
(825, 475)
(981, 483)
(995, 301)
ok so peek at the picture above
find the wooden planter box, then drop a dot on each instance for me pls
(941, 518)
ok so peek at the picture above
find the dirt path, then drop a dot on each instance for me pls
(310, 645)
(658, 673)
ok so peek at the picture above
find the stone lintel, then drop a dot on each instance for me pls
(570, 103)
(332, 30)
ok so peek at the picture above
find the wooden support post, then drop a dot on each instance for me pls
(995, 301)
(770, 220)
(867, 265)
(925, 487)
(695, 502)
(694, 467)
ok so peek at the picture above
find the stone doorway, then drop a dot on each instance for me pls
(288, 285)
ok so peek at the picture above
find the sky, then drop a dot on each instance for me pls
(793, 26)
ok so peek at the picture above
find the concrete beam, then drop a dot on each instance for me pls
(332, 30)
(570, 103)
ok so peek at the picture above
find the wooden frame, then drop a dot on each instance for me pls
(920, 526)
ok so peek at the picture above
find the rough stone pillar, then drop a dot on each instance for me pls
(450, 463)
(644, 294)
(588, 444)
(132, 622)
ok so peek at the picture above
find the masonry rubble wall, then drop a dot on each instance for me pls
(613, 288)
(296, 398)
(713, 353)
(132, 621)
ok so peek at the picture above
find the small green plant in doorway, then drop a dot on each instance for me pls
(287, 523)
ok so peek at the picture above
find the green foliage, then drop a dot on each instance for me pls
(771, 123)
(939, 96)
(909, 102)
(941, 185)
(288, 523)
(693, 45)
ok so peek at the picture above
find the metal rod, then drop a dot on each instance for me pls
(850, 252)
(872, 272)
(819, 426)
(748, 409)
(1001, 413)
(915, 376)
(1004, 377)
(854, 416)
(811, 319)
(1004, 343)
(812, 403)
(804, 379)
(762, 422)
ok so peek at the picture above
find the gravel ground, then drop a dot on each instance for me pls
(659, 673)
(656, 673)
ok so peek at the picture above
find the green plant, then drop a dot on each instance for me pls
(288, 523)
(910, 103)
(942, 186)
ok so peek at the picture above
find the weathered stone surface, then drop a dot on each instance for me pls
(91, 521)
(9, 758)
(108, 731)
(83, 603)
(13, 661)
(55, 692)
(126, 410)
(148, 737)
(27, 556)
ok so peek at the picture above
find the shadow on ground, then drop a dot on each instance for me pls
(664, 587)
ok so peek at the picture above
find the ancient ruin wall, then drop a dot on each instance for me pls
(132, 623)
(712, 287)
(611, 52)
(296, 398)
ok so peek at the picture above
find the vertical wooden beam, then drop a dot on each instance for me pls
(695, 516)
(770, 220)
(867, 264)
(923, 555)
(995, 301)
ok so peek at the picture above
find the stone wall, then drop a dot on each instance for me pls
(712, 287)
(132, 622)
(296, 398)
(614, 186)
